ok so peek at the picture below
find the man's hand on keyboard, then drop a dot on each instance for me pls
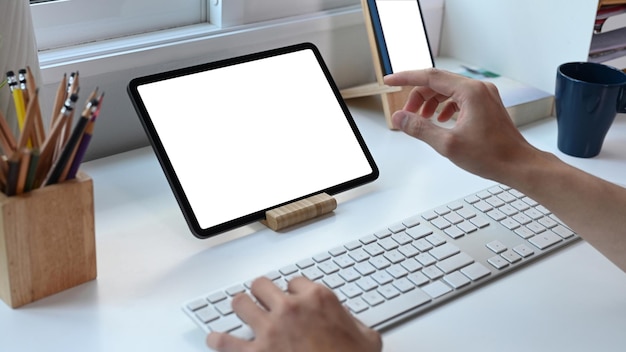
(309, 317)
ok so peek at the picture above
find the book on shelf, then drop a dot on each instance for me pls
(608, 42)
(523, 102)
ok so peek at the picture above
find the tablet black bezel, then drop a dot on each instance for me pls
(170, 172)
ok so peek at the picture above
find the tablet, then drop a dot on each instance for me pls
(400, 35)
(241, 136)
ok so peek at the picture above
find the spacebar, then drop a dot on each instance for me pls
(390, 309)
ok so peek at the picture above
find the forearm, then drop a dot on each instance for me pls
(592, 207)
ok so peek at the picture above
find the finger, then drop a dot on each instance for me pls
(248, 310)
(419, 127)
(373, 336)
(449, 109)
(224, 342)
(441, 81)
(266, 292)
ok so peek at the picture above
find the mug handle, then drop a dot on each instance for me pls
(621, 107)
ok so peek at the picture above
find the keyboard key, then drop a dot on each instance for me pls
(226, 324)
(393, 308)
(419, 231)
(397, 271)
(305, 263)
(467, 227)
(333, 281)
(395, 228)
(394, 256)
(233, 290)
(224, 307)
(454, 232)
(422, 245)
(455, 262)
(440, 223)
(523, 250)
(197, 304)
(403, 285)
(563, 231)
(496, 247)
(380, 262)
(545, 239)
(412, 221)
(432, 272)
(243, 332)
(388, 291)
(436, 289)
(426, 259)
(444, 251)
(357, 305)
(207, 314)
(411, 265)
(418, 278)
(364, 268)
(475, 271)
(479, 222)
(366, 283)
(498, 262)
(511, 256)
(456, 280)
(349, 274)
(359, 255)
(373, 298)
(402, 238)
(408, 250)
(373, 249)
(466, 213)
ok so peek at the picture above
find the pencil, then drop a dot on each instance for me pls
(84, 142)
(49, 145)
(40, 132)
(18, 99)
(58, 100)
(13, 173)
(21, 77)
(23, 171)
(55, 173)
(32, 170)
(29, 124)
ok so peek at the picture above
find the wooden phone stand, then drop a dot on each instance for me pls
(300, 211)
(393, 98)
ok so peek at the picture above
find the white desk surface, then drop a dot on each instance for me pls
(149, 263)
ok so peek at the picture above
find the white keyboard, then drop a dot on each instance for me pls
(392, 274)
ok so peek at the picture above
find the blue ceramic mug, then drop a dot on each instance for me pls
(588, 96)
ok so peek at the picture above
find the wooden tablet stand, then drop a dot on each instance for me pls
(300, 211)
(392, 98)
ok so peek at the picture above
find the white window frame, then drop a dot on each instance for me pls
(230, 21)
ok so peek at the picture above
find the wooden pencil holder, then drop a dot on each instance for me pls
(47, 241)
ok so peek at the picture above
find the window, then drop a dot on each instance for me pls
(61, 23)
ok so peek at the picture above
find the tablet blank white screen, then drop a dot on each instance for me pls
(246, 137)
